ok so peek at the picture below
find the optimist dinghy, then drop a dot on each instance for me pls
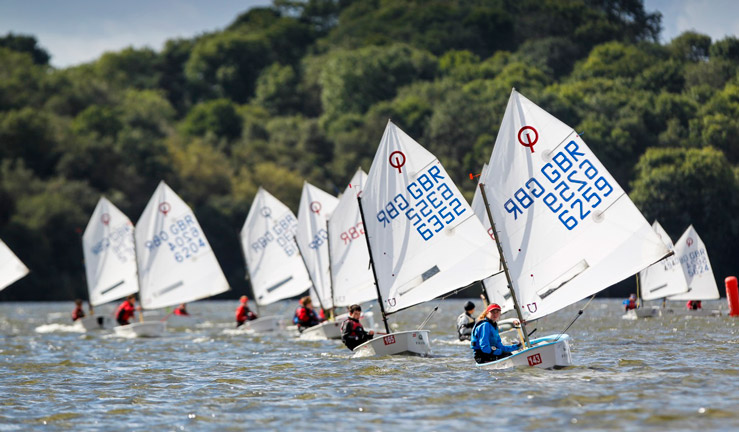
(273, 263)
(660, 280)
(422, 237)
(175, 261)
(316, 206)
(110, 261)
(691, 252)
(564, 228)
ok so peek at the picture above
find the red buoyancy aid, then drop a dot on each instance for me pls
(77, 314)
(306, 317)
(244, 314)
(631, 304)
(125, 311)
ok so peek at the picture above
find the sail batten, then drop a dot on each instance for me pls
(275, 268)
(567, 229)
(175, 261)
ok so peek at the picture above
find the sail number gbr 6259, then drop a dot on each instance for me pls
(571, 188)
(429, 204)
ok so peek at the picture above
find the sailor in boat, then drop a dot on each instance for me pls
(305, 315)
(126, 310)
(78, 312)
(353, 333)
(694, 305)
(181, 310)
(243, 314)
(466, 321)
(485, 340)
(630, 303)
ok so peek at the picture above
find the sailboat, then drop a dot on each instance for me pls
(658, 281)
(275, 268)
(351, 275)
(175, 261)
(11, 267)
(423, 238)
(496, 286)
(316, 207)
(691, 252)
(110, 261)
(564, 227)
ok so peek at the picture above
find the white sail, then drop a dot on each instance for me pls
(664, 278)
(110, 255)
(351, 274)
(424, 237)
(566, 227)
(316, 206)
(276, 270)
(496, 286)
(176, 263)
(692, 254)
(11, 268)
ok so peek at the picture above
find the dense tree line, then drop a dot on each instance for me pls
(302, 91)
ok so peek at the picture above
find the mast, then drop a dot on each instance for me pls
(330, 274)
(374, 272)
(505, 267)
(638, 292)
(138, 275)
(315, 288)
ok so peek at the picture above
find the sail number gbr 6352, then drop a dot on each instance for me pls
(571, 188)
(429, 204)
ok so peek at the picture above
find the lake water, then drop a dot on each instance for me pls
(660, 374)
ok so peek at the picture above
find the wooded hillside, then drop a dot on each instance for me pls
(303, 90)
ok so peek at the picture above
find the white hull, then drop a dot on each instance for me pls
(645, 312)
(142, 329)
(400, 343)
(182, 321)
(689, 312)
(264, 324)
(323, 331)
(97, 322)
(548, 352)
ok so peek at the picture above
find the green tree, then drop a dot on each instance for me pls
(25, 44)
(218, 117)
(226, 65)
(352, 81)
(21, 81)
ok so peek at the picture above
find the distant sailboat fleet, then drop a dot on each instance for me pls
(548, 227)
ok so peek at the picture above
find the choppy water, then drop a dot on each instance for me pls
(659, 374)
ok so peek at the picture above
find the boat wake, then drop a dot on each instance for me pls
(59, 328)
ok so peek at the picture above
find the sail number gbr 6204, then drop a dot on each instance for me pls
(571, 188)
(182, 238)
(428, 202)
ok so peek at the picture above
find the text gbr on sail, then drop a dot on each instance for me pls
(571, 188)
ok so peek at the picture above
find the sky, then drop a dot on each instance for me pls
(79, 31)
